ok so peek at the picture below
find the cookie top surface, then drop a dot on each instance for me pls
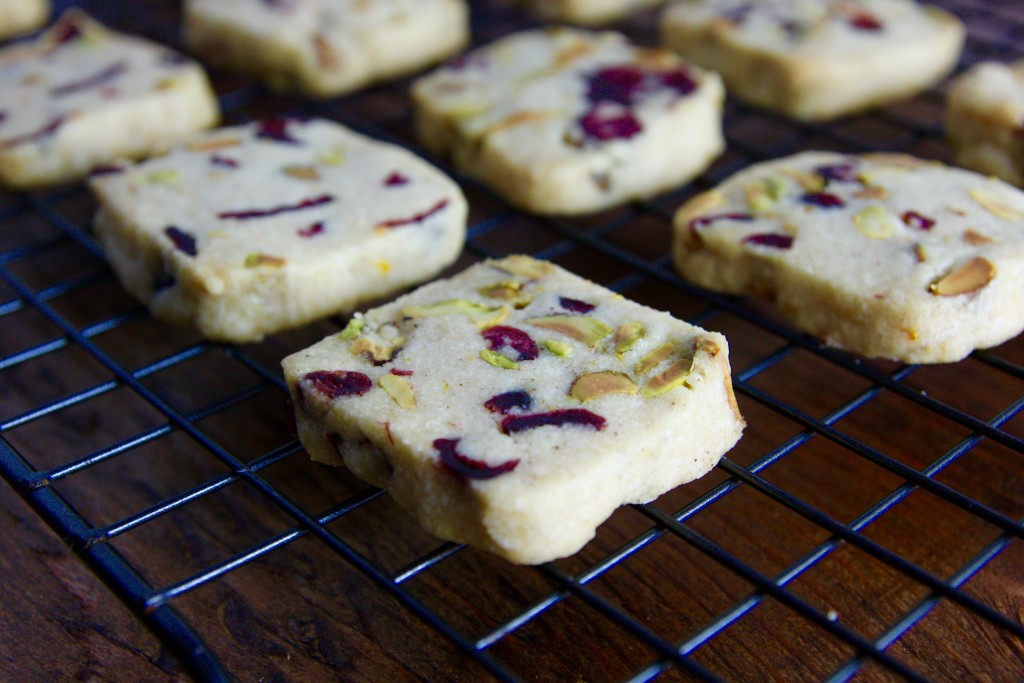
(576, 89)
(839, 28)
(511, 371)
(74, 68)
(273, 192)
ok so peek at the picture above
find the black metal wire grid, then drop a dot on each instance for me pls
(73, 347)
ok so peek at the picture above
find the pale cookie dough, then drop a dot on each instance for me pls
(586, 12)
(515, 406)
(324, 48)
(985, 120)
(817, 60)
(885, 255)
(567, 121)
(249, 230)
(22, 16)
(80, 95)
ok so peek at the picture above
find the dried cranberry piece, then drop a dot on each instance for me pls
(680, 80)
(314, 229)
(106, 75)
(865, 21)
(603, 123)
(401, 373)
(618, 84)
(337, 383)
(276, 129)
(66, 31)
(825, 200)
(395, 179)
(916, 220)
(500, 336)
(226, 162)
(707, 220)
(575, 305)
(3, 116)
(46, 131)
(263, 213)
(182, 240)
(418, 218)
(105, 169)
(770, 239)
(844, 173)
(555, 418)
(504, 403)
(466, 467)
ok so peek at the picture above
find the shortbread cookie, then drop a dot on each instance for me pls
(885, 255)
(817, 60)
(563, 120)
(248, 230)
(22, 16)
(586, 12)
(985, 120)
(515, 406)
(323, 48)
(80, 95)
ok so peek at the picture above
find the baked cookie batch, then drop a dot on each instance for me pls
(515, 406)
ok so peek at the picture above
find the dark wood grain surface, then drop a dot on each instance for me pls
(811, 534)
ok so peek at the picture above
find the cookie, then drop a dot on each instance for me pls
(586, 12)
(248, 230)
(22, 16)
(985, 120)
(816, 60)
(515, 406)
(566, 121)
(884, 255)
(81, 95)
(324, 48)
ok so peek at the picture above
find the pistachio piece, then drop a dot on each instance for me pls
(213, 144)
(975, 238)
(379, 351)
(765, 193)
(994, 204)
(809, 182)
(352, 329)
(399, 389)
(872, 192)
(509, 291)
(597, 384)
(301, 172)
(257, 259)
(163, 176)
(560, 349)
(332, 157)
(499, 360)
(584, 328)
(966, 278)
(654, 357)
(481, 314)
(675, 375)
(875, 222)
(627, 335)
(517, 264)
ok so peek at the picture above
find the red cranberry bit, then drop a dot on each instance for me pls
(105, 169)
(96, 80)
(276, 129)
(708, 220)
(575, 305)
(263, 213)
(182, 240)
(396, 179)
(418, 218)
(865, 21)
(466, 467)
(46, 131)
(554, 418)
(770, 239)
(680, 80)
(337, 383)
(226, 162)
(916, 220)
(3, 116)
(66, 31)
(844, 173)
(401, 373)
(314, 229)
(601, 124)
(505, 403)
(825, 200)
(501, 336)
(619, 84)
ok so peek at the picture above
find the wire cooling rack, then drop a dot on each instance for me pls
(867, 526)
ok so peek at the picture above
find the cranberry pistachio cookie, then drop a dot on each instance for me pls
(567, 121)
(985, 119)
(817, 60)
(80, 95)
(515, 406)
(248, 230)
(324, 48)
(586, 12)
(884, 255)
(22, 16)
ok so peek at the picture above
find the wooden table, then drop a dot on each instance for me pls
(868, 524)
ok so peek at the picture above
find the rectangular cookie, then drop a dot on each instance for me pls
(884, 255)
(816, 60)
(586, 12)
(81, 95)
(985, 120)
(248, 230)
(22, 16)
(515, 406)
(324, 48)
(567, 121)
